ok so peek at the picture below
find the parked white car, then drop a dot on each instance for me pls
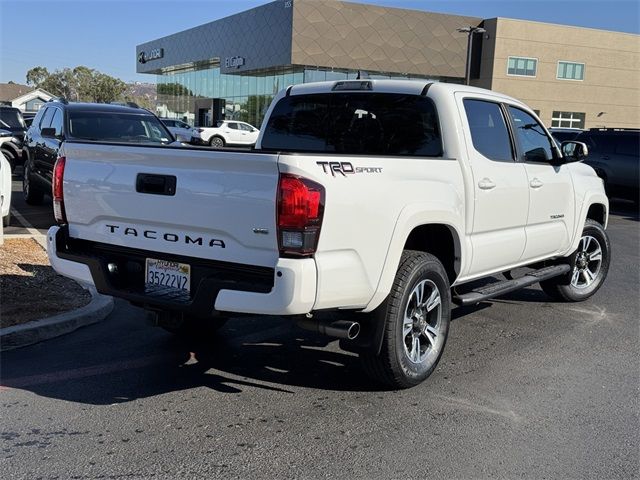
(5, 190)
(230, 132)
(182, 130)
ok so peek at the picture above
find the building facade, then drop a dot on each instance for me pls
(23, 97)
(573, 77)
(232, 67)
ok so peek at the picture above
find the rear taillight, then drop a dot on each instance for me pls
(56, 191)
(200, 130)
(300, 210)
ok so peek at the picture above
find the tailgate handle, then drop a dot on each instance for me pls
(156, 184)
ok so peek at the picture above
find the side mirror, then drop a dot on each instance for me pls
(574, 151)
(48, 132)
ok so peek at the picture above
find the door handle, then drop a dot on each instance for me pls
(486, 184)
(536, 183)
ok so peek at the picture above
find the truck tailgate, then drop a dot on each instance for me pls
(223, 206)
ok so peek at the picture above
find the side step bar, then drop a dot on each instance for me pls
(506, 286)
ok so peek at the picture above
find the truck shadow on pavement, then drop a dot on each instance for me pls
(147, 361)
(124, 359)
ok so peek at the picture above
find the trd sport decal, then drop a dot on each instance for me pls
(346, 168)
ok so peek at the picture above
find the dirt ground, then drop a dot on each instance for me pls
(29, 288)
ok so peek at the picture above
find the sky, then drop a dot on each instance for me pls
(103, 34)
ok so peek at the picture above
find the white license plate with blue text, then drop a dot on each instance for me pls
(172, 275)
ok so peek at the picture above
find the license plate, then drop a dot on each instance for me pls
(169, 275)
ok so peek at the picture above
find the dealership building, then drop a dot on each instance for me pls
(231, 68)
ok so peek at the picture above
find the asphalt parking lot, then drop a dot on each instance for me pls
(527, 388)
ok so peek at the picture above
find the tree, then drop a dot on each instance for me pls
(173, 88)
(80, 84)
(254, 109)
(37, 75)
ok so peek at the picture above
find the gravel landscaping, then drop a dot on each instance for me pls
(29, 287)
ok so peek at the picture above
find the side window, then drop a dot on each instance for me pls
(534, 142)
(488, 130)
(245, 127)
(38, 118)
(232, 125)
(169, 123)
(57, 121)
(47, 117)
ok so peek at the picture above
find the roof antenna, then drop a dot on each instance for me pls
(362, 74)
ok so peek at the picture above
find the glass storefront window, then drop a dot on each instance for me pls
(246, 97)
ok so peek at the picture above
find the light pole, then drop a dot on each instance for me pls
(469, 31)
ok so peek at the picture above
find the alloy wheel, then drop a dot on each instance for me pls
(587, 263)
(421, 329)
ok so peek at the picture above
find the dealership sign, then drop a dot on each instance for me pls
(153, 54)
(233, 62)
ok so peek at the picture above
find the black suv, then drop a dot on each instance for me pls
(614, 153)
(59, 121)
(11, 121)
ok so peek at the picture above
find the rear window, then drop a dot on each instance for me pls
(355, 123)
(117, 127)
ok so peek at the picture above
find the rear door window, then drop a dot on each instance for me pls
(355, 124)
(57, 121)
(628, 145)
(488, 129)
(47, 117)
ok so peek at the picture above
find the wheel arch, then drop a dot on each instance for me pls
(598, 213)
(13, 149)
(423, 229)
(441, 241)
(595, 206)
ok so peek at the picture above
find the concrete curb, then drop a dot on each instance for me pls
(39, 330)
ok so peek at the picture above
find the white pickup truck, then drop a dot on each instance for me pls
(368, 199)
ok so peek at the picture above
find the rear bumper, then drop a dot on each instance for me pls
(287, 289)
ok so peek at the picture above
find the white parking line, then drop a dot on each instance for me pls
(39, 237)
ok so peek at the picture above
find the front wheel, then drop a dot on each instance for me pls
(417, 315)
(589, 267)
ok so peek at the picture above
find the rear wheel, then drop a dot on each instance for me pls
(589, 267)
(216, 142)
(32, 195)
(417, 314)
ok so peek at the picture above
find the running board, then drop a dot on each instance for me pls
(506, 286)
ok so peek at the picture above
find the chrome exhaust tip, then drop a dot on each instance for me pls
(339, 328)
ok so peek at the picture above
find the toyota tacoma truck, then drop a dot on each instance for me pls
(363, 211)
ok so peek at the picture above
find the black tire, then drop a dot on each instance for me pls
(576, 286)
(217, 142)
(394, 366)
(32, 195)
(190, 326)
